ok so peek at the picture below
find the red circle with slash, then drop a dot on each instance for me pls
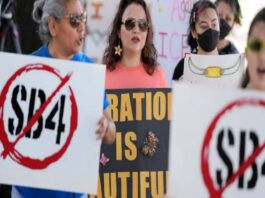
(9, 147)
(205, 168)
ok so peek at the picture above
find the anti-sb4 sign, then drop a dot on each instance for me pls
(46, 109)
(30, 113)
(217, 143)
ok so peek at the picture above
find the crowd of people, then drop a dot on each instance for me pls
(131, 56)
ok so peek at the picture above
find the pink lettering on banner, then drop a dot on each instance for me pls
(162, 54)
(181, 9)
(173, 43)
(173, 46)
(184, 45)
(176, 11)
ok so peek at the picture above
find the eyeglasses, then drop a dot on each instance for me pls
(255, 45)
(76, 19)
(131, 23)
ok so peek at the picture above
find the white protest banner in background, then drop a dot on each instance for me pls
(222, 70)
(49, 111)
(99, 21)
(217, 142)
(170, 21)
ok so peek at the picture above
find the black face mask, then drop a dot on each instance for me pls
(208, 40)
(224, 29)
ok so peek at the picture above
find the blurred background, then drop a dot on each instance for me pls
(249, 10)
(170, 20)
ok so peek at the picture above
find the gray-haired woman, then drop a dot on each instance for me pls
(62, 28)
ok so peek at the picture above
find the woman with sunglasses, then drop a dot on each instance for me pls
(203, 32)
(62, 27)
(230, 14)
(130, 56)
(255, 54)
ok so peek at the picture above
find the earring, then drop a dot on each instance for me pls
(145, 52)
(118, 49)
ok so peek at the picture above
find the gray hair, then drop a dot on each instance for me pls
(42, 10)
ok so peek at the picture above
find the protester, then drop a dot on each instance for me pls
(230, 14)
(62, 27)
(130, 56)
(255, 54)
(203, 32)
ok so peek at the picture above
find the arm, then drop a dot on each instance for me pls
(106, 128)
(179, 70)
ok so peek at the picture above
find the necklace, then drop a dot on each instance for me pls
(214, 71)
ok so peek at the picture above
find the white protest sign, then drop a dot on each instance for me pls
(49, 111)
(213, 136)
(222, 71)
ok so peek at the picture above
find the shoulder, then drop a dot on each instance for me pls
(178, 71)
(158, 72)
(233, 48)
(36, 53)
(161, 77)
(180, 65)
(229, 49)
(159, 69)
(181, 62)
(81, 57)
(42, 51)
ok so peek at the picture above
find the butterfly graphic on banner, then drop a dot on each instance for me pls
(150, 145)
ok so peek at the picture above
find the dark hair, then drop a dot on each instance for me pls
(260, 17)
(235, 6)
(110, 59)
(199, 7)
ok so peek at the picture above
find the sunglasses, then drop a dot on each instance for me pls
(255, 45)
(76, 19)
(131, 23)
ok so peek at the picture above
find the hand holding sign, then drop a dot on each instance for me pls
(106, 128)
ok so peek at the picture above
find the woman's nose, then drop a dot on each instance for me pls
(82, 28)
(262, 56)
(136, 28)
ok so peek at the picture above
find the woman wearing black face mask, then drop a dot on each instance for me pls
(203, 32)
(230, 13)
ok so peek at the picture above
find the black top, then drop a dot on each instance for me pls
(179, 69)
(229, 49)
